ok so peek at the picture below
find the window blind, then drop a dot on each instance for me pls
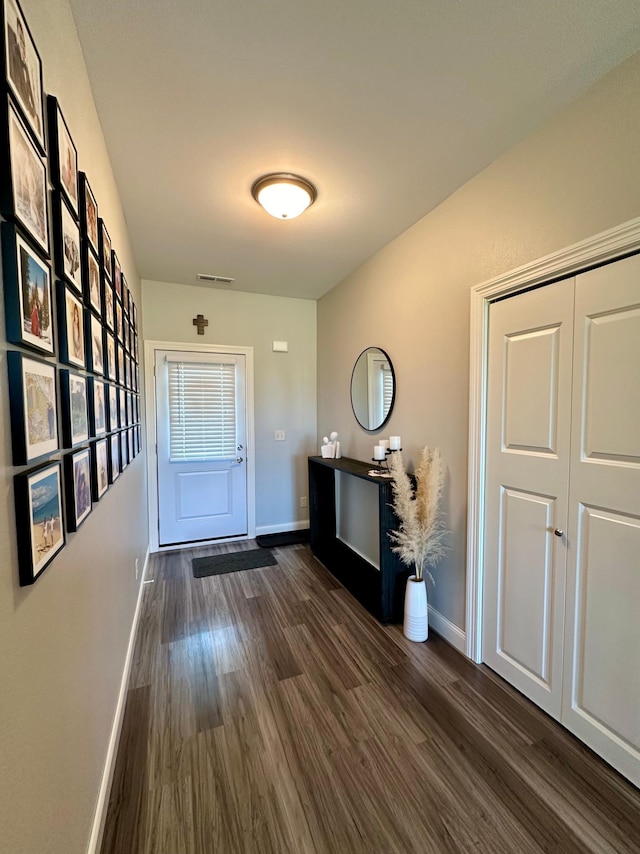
(202, 410)
(387, 389)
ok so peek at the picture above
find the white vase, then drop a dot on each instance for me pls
(416, 612)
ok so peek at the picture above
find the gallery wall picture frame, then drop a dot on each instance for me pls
(70, 327)
(23, 189)
(130, 444)
(98, 402)
(74, 408)
(117, 274)
(114, 457)
(125, 296)
(28, 293)
(77, 487)
(23, 69)
(111, 370)
(120, 356)
(67, 242)
(122, 407)
(134, 314)
(105, 249)
(32, 404)
(108, 302)
(94, 343)
(124, 450)
(88, 212)
(40, 532)
(99, 468)
(63, 155)
(114, 421)
(118, 319)
(91, 280)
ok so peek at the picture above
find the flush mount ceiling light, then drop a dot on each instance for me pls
(282, 195)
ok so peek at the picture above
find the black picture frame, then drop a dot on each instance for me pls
(114, 421)
(74, 408)
(120, 358)
(98, 391)
(119, 328)
(105, 249)
(68, 246)
(125, 296)
(40, 530)
(110, 359)
(114, 457)
(99, 468)
(108, 303)
(88, 213)
(32, 403)
(116, 275)
(23, 189)
(63, 155)
(71, 334)
(77, 487)
(93, 292)
(28, 293)
(122, 407)
(23, 69)
(124, 450)
(94, 343)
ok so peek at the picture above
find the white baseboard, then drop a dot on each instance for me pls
(97, 828)
(449, 631)
(279, 529)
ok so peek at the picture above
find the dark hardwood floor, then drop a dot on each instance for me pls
(268, 712)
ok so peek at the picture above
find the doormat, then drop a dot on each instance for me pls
(286, 538)
(232, 562)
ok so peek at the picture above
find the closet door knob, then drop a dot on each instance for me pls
(558, 532)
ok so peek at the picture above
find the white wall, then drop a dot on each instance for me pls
(575, 177)
(285, 383)
(63, 641)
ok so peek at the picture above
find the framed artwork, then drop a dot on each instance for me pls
(24, 185)
(95, 353)
(127, 379)
(91, 275)
(23, 68)
(139, 438)
(63, 155)
(120, 354)
(122, 401)
(99, 468)
(27, 293)
(117, 274)
(108, 304)
(125, 296)
(75, 419)
(77, 482)
(110, 362)
(97, 407)
(114, 467)
(67, 243)
(105, 249)
(70, 327)
(113, 408)
(32, 402)
(39, 524)
(118, 317)
(130, 443)
(124, 450)
(136, 408)
(89, 213)
(134, 315)
(136, 374)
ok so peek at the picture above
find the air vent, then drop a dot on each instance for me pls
(221, 280)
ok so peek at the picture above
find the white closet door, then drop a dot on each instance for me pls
(602, 664)
(528, 430)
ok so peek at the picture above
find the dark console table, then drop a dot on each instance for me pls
(381, 591)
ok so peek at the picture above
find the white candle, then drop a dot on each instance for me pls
(378, 452)
(384, 443)
(394, 443)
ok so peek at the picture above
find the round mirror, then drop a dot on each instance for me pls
(373, 388)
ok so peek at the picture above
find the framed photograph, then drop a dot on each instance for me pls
(39, 524)
(117, 274)
(89, 213)
(120, 355)
(130, 443)
(124, 450)
(70, 327)
(32, 402)
(63, 155)
(77, 482)
(67, 243)
(110, 359)
(99, 468)
(105, 249)
(24, 185)
(136, 378)
(91, 276)
(119, 328)
(75, 419)
(122, 401)
(113, 408)
(95, 353)
(97, 407)
(27, 293)
(136, 408)
(108, 302)
(134, 315)
(125, 296)
(114, 467)
(23, 68)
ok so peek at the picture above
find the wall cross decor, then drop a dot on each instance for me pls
(200, 321)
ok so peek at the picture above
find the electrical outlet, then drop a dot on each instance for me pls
(136, 569)
(303, 501)
(279, 435)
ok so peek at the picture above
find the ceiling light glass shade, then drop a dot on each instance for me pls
(282, 195)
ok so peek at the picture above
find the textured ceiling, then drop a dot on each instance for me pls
(387, 107)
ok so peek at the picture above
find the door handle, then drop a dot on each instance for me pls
(239, 459)
(558, 532)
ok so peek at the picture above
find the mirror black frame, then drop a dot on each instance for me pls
(393, 398)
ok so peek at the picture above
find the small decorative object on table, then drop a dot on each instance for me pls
(330, 449)
(419, 540)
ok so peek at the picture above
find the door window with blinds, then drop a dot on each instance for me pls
(202, 409)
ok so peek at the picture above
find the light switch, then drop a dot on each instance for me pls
(279, 435)
(280, 346)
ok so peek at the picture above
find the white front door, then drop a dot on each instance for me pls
(201, 426)
(528, 418)
(602, 658)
